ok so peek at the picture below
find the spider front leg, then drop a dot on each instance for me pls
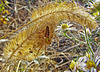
(46, 42)
(45, 49)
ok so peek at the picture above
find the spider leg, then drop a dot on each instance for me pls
(45, 45)
(38, 51)
(45, 49)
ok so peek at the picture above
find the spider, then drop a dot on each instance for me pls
(46, 36)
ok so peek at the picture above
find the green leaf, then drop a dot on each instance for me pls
(96, 13)
(1, 9)
(98, 19)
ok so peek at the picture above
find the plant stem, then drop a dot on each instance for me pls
(73, 38)
(88, 43)
(18, 66)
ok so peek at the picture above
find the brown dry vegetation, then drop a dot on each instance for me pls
(25, 35)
